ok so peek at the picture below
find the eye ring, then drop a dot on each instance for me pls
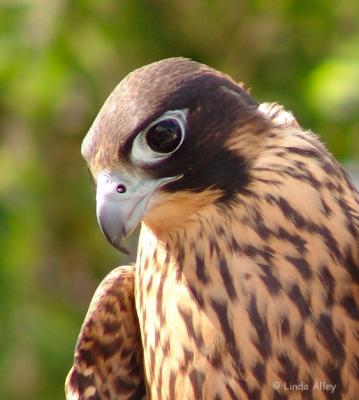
(163, 137)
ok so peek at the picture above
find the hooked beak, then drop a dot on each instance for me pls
(121, 201)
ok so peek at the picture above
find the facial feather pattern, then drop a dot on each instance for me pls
(246, 284)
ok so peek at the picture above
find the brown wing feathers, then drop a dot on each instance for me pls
(108, 355)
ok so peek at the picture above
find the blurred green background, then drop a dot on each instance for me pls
(59, 59)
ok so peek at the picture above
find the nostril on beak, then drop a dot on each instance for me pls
(121, 188)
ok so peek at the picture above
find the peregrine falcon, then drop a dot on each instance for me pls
(246, 283)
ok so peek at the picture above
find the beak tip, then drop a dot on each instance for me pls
(123, 250)
(115, 242)
(117, 245)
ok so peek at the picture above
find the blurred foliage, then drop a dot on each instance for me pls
(59, 60)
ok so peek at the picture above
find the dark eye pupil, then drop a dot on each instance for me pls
(165, 136)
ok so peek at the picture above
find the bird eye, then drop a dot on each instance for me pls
(165, 136)
(161, 138)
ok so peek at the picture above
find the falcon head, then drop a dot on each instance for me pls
(166, 144)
